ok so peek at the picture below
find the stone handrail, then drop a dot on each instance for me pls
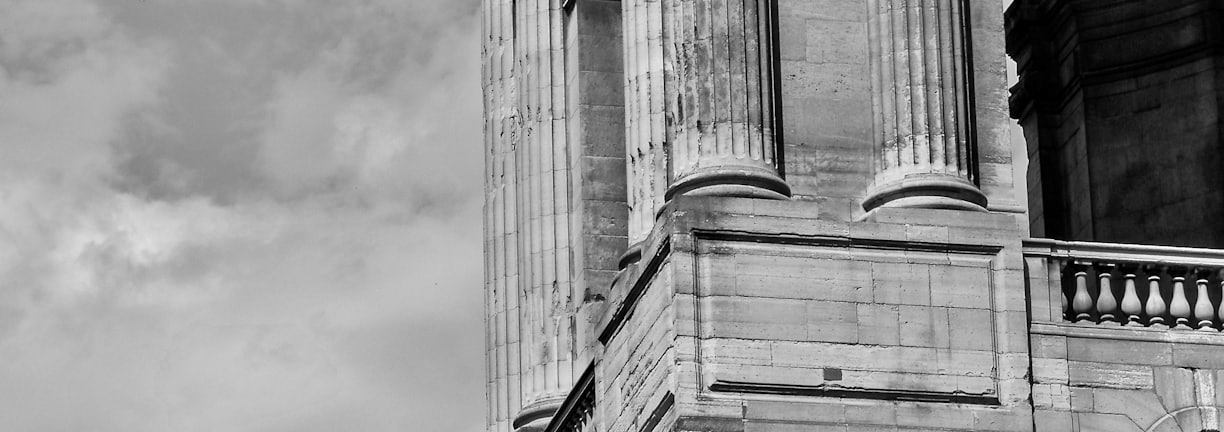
(578, 409)
(1137, 285)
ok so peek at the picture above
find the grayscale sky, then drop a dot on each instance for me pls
(240, 215)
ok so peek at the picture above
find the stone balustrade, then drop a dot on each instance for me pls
(1134, 285)
(577, 411)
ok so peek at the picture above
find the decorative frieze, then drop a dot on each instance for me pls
(922, 95)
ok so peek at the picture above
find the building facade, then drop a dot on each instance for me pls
(818, 215)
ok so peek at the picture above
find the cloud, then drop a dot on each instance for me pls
(263, 219)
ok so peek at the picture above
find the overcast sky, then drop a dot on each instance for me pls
(240, 215)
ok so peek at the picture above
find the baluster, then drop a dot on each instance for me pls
(1179, 307)
(1082, 303)
(1155, 307)
(1203, 312)
(1062, 294)
(1220, 274)
(1106, 302)
(1131, 306)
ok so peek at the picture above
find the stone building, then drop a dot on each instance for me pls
(819, 215)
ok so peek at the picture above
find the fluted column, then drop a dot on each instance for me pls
(719, 61)
(546, 263)
(923, 106)
(644, 101)
(700, 99)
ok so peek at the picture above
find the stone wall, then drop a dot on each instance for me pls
(827, 104)
(1119, 101)
(1089, 376)
(636, 372)
(779, 321)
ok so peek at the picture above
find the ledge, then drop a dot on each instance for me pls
(1127, 333)
(854, 393)
(1122, 252)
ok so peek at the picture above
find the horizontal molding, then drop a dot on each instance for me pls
(1127, 333)
(853, 393)
(846, 242)
(1123, 252)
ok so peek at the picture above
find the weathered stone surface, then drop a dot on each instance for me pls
(810, 313)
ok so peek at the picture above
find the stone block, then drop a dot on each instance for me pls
(792, 39)
(934, 417)
(1048, 346)
(823, 10)
(926, 233)
(877, 231)
(878, 324)
(1175, 387)
(603, 129)
(761, 426)
(900, 283)
(1002, 420)
(1109, 375)
(873, 414)
(1119, 352)
(756, 318)
(1081, 399)
(736, 351)
(606, 169)
(842, 287)
(1142, 406)
(965, 363)
(1052, 396)
(1052, 421)
(832, 321)
(1093, 422)
(709, 424)
(970, 329)
(1219, 384)
(595, 90)
(832, 41)
(1198, 356)
(923, 326)
(1050, 371)
(794, 411)
(958, 286)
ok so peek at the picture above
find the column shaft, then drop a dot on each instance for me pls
(699, 98)
(923, 106)
(720, 110)
(645, 94)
